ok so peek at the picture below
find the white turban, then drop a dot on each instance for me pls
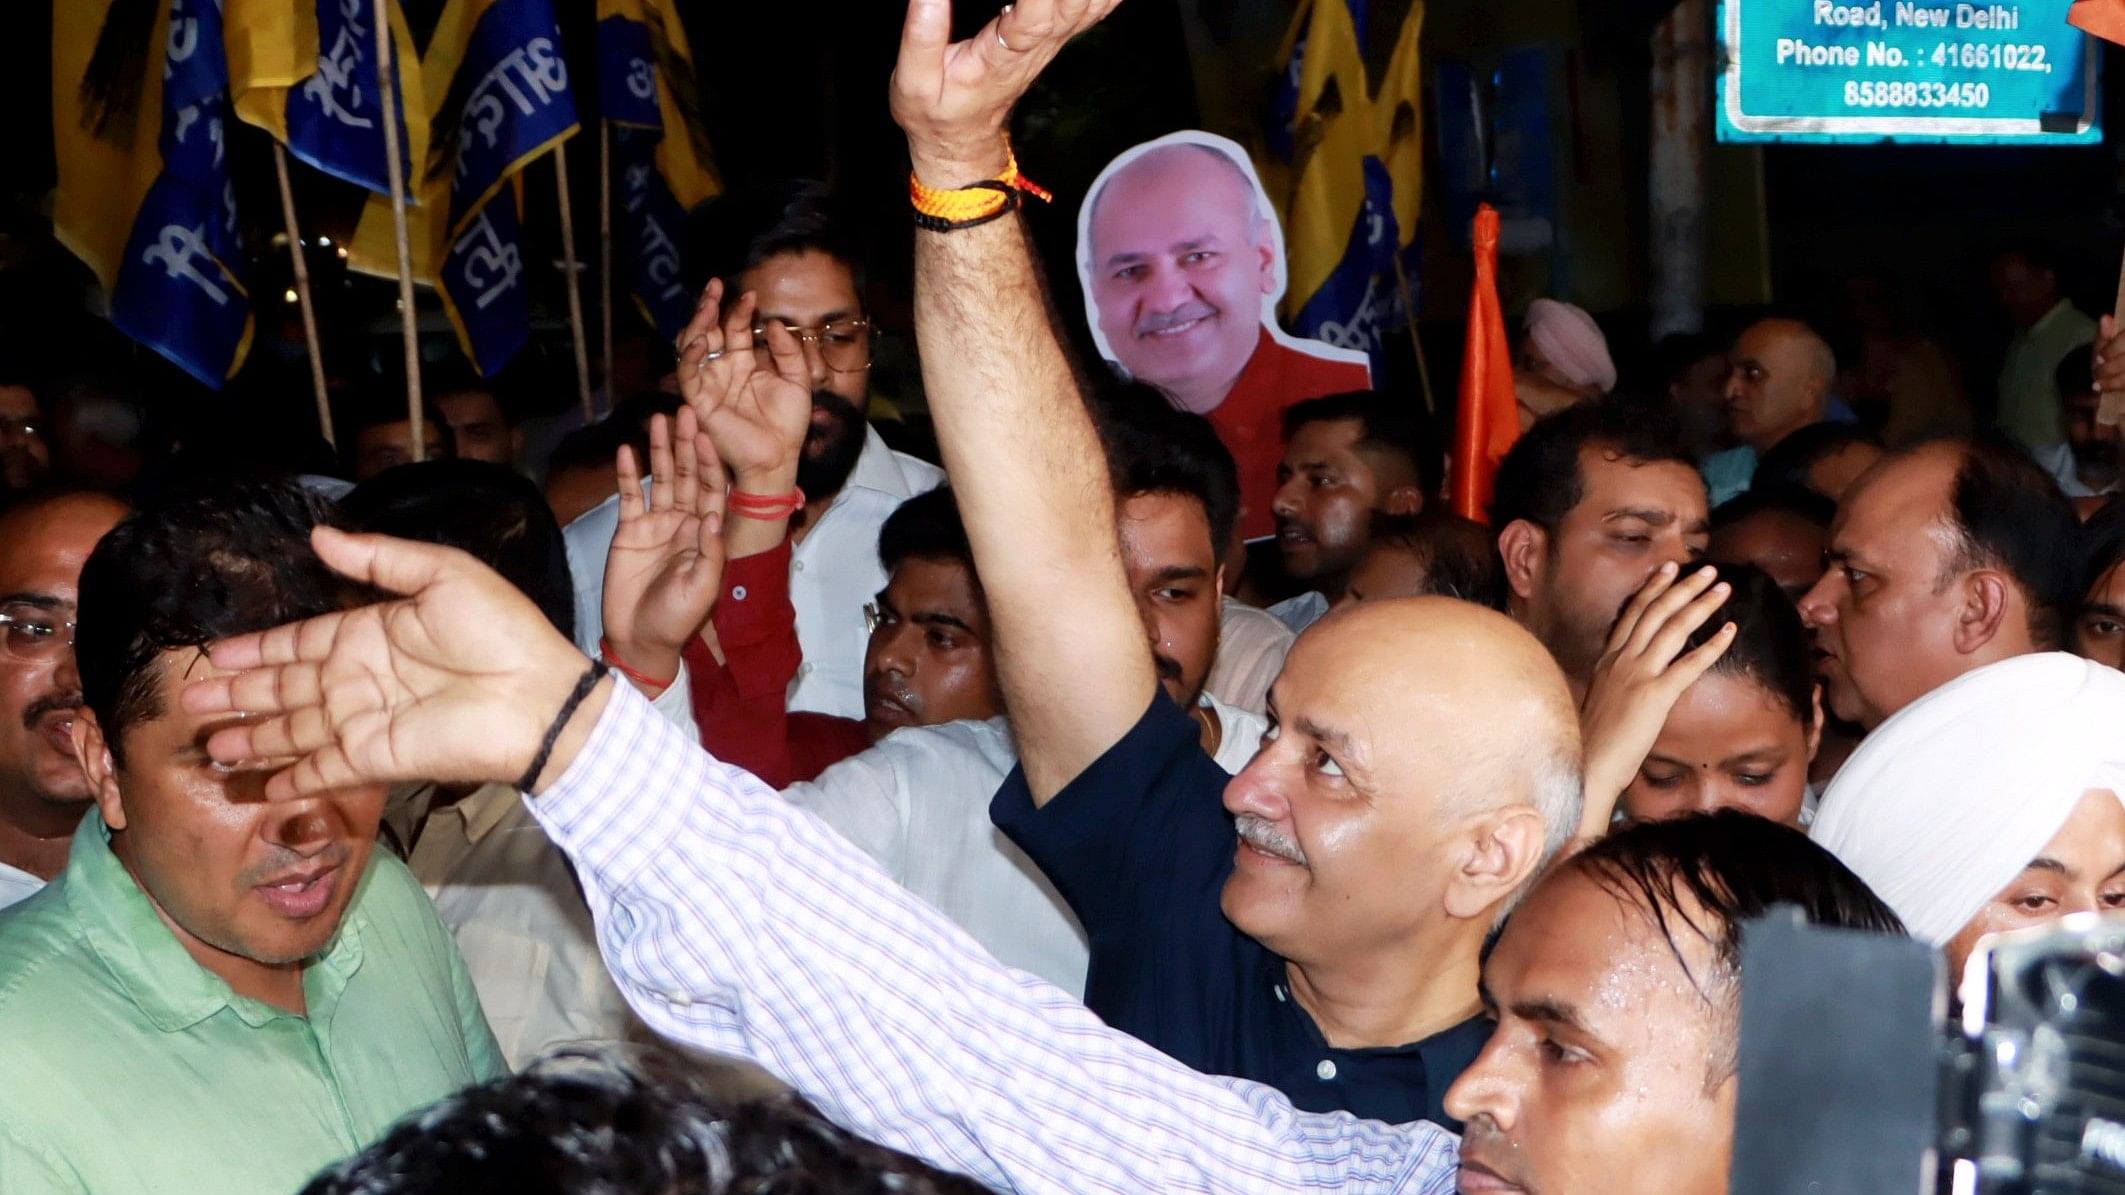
(1572, 342)
(1950, 799)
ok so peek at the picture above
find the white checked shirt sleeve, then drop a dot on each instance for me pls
(735, 922)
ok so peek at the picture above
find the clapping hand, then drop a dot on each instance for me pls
(666, 563)
(756, 407)
(455, 682)
(1641, 676)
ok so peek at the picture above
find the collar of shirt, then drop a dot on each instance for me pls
(481, 810)
(17, 885)
(878, 469)
(156, 973)
(2050, 318)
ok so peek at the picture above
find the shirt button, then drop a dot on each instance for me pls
(804, 670)
(681, 1000)
(799, 566)
(737, 593)
(1326, 1071)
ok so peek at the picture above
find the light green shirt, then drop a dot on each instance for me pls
(127, 1067)
(2029, 387)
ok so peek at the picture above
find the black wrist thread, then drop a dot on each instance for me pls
(589, 680)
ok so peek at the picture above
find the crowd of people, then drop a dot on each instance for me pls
(755, 806)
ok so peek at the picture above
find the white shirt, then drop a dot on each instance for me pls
(833, 573)
(512, 902)
(17, 885)
(738, 924)
(1302, 611)
(1251, 646)
(918, 803)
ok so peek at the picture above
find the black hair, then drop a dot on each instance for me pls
(1677, 352)
(360, 411)
(1788, 461)
(2008, 513)
(1775, 498)
(1385, 423)
(593, 1123)
(1540, 479)
(737, 230)
(927, 525)
(2042, 255)
(594, 447)
(1771, 645)
(492, 512)
(225, 557)
(1459, 556)
(2102, 545)
(1154, 448)
(2075, 375)
(1708, 874)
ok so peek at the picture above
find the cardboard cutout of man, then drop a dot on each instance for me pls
(1182, 263)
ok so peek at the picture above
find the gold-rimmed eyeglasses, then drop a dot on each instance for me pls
(844, 344)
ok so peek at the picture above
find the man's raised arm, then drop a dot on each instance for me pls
(1018, 444)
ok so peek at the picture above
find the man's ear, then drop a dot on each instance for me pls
(1815, 723)
(1524, 547)
(1402, 500)
(1988, 600)
(1499, 853)
(94, 754)
(1265, 257)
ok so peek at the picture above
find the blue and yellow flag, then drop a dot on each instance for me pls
(150, 208)
(1357, 155)
(306, 73)
(645, 85)
(496, 93)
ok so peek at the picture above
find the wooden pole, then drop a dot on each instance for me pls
(409, 324)
(302, 294)
(1416, 342)
(575, 294)
(605, 253)
(2110, 408)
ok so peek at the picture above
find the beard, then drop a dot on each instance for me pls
(830, 452)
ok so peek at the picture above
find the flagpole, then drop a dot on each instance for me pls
(302, 294)
(605, 250)
(575, 295)
(1416, 342)
(408, 318)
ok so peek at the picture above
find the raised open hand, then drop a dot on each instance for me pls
(455, 682)
(666, 563)
(1641, 676)
(756, 407)
(953, 99)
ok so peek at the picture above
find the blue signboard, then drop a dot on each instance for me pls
(1906, 70)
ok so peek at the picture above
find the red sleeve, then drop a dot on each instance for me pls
(741, 702)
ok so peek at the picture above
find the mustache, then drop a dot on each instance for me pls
(285, 860)
(1168, 667)
(1481, 1142)
(1159, 321)
(1285, 523)
(834, 404)
(1265, 837)
(51, 703)
(884, 684)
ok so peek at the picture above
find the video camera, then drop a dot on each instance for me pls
(1859, 1076)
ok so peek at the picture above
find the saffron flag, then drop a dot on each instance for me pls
(144, 197)
(2104, 18)
(646, 92)
(1357, 156)
(1488, 416)
(496, 92)
(306, 73)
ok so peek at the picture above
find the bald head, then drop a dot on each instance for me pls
(1424, 673)
(1779, 382)
(1178, 253)
(1423, 765)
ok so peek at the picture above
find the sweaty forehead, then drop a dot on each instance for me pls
(16, 402)
(43, 547)
(1164, 531)
(1894, 504)
(1577, 944)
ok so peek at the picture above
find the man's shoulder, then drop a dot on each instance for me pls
(970, 744)
(47, 969)
(390, 897)
(1238, 619)
(1317, 366)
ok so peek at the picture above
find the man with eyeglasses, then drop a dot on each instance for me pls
(788, 246)
(43, 793)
